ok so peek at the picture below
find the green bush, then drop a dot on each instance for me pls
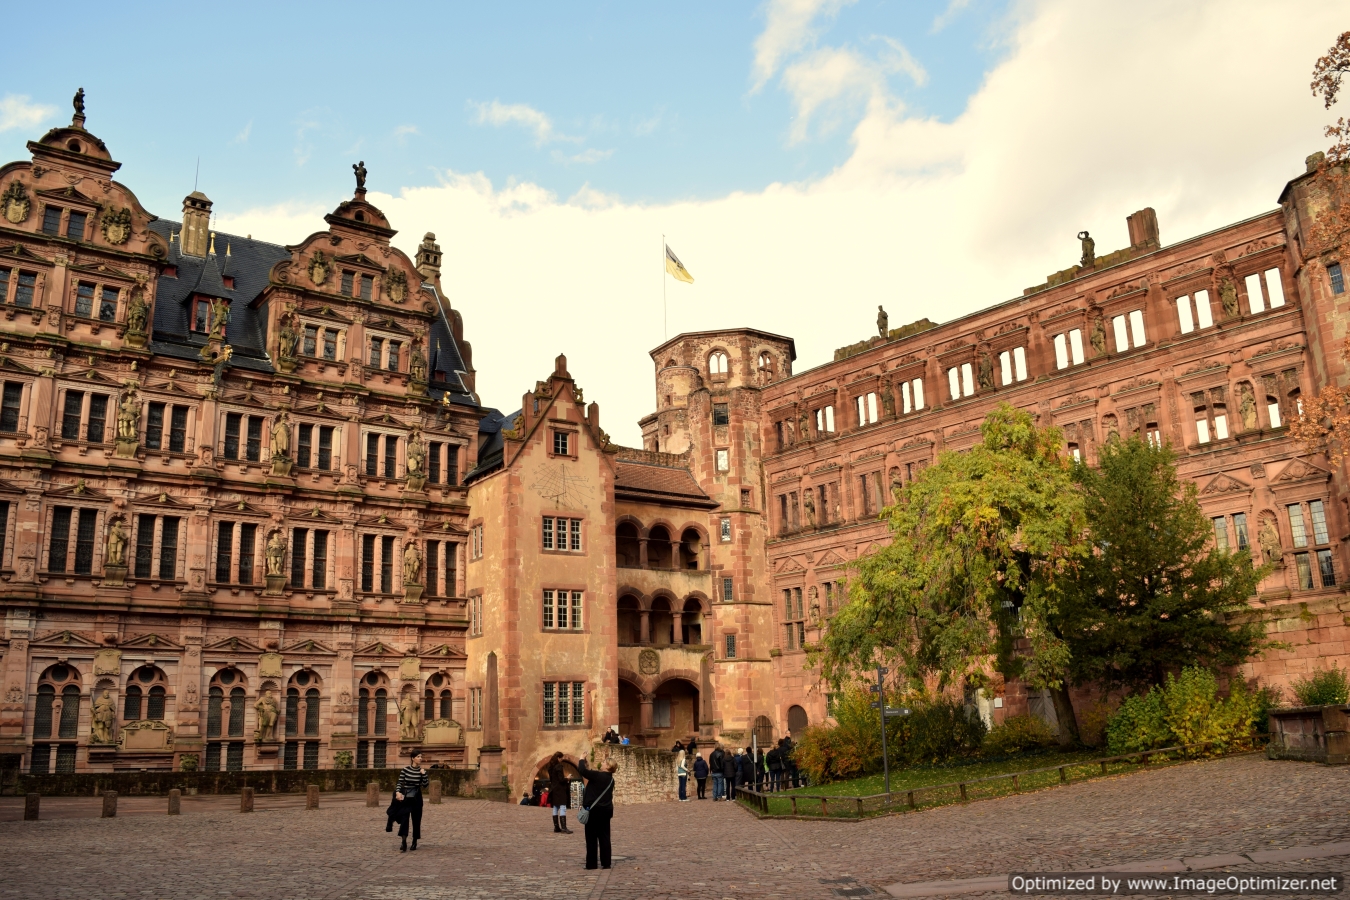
(935, 731)
(1265, 699)
(1016, 735)
(1323, 687)
(1185, 710)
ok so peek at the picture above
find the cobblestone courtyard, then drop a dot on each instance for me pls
(690, 851)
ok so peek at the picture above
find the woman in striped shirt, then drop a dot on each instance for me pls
(412, 781)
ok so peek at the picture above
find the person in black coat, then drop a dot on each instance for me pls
(701, 777)
(715, 767)
(729, 770)
(559, 790)
(775, 760)
(745, 776)
(598, 800)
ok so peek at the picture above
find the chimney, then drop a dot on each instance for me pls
(429, 257)
(1143, 227)
(196, 224)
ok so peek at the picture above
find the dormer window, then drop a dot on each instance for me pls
(229, 281)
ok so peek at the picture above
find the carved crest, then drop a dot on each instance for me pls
(649, 662)
(396, 284)
(318, 268)
(15, 203)
(116, 225)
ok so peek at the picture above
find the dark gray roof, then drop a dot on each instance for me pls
(490, 443)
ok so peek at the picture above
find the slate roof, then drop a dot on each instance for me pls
(658, 484)
(490, 443)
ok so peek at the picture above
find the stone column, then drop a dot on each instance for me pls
(676, 626)
(645, 619)
(642, 552)
(645, 711)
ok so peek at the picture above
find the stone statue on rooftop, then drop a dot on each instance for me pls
(883, 321)
(360, 170)
(1089, 250)
(78, 102)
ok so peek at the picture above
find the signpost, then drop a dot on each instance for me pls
(887, 712)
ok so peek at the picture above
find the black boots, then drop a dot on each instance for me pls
(414, 846)
(565, 829)
(404, 847)
(556, 829)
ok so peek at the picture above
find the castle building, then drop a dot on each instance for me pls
(254, 515)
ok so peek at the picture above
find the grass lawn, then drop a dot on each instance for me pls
(923, 781)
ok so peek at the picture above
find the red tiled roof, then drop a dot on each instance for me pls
(657, 482)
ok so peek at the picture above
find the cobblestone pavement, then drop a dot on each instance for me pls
(475, 850)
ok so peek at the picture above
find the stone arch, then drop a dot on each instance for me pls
(570, 769)
(693, 548)
(662, 607)
(628, 617)
(372, 708)
(628, 532)
(226, 703)
(797, 720)
(660, 537)
(303, 704)
(146, 694)
(719, 361)
(763, 731)
(438, 697)
(58, 706)
(693, 612)
(676, 701)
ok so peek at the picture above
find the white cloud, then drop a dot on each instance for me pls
(789, 26)
(1097, 110)
(944, 18)
(242, 136)
(833, 81)
(498, 114)
(18, 111)
(585, 157)
(899, 60)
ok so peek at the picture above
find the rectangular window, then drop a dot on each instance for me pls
(731, 646)
(60, 539)
(825, 419)
(434, 462)
(367, 562)
(4, 285)
(319, 569)
(154, 426)
(1326, 568)
(51, 220)
(178, 429)
(1204, 316)
(376, 352)
(390, 456)
(367, 286)
(1220, 423)
(201, 312)
(1240, 528)
(434, 568)
(1137, 327)
(233, 421)
(576, 536)
(1304, 566)
(107, 307)
(727, 589)
(661, 712)
(720, 415)
(1221, 533)
(248, 536)
(386, 564)
(85, 530)
(723, 460)
(329, 344)
(1184, 314)
(1273, 411)
(561, 443)
(224, 552)
(98, 417)
(145, 545)
(561, 534)
(724, 529)
(392, 363)
(549, 617)
(1122, 335)
(309, 344)
(9, 407)
(84, 300)
(1296, 529)
(348, 277)
(451, 464)
(75, 223)
(253, 448)
(1255, 300)
(1274, 288)
(299, 538)
(26, 290)
(325, 459)
(550, 702)
(168, 548)
(372, 455)
(1337, 278)
(1202, 426)
(304, 438)
(1319, 521)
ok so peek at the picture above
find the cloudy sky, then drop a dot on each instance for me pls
(807, 159)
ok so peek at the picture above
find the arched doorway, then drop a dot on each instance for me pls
(797, 720)
(763, 732)
(675, 707)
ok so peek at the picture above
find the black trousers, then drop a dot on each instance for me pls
(597, 835)
(702, 788)
(412, 810)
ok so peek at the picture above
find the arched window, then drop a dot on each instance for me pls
(765, 368)
(437, 698)
(372, 721)
(226, 702)
(57, 716)
(312, 712)
(658, 548)
(691, 544)
(146, 683)
(717, 363)
(626, 546)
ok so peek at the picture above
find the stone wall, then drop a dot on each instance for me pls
(644, 775)
(455, 782)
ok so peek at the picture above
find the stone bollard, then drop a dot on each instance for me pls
(175, 799)
(109, 805)
(246, 799)
(312, 797)
(435, 790)
(31, 803)
(372, 793)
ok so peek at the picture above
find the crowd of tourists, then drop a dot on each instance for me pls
(734, 768)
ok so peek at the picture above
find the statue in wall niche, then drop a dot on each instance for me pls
(883, 321)
(1110, 426)
(276, 554)
(1247, 406)
(128, 416)
(266, 708)
(417, 363)
(138, 312)
(986, 371)
(1269, 538)
(412, 563)
(409, 718)
(1089, 250)
(417, 453)
(117, 544)
(887, 396)
(101, 719)
(809, 504)
(281, 436)
(804, 423)
(220, 317)
(1098, 337)
(287, 339)
(1229, 298)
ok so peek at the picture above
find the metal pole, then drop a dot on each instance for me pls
(885, 756)
(665, 327)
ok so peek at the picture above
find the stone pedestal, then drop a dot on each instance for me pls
(267, 749)
(414, 484)
(490, 766)
(312, 796)
(135, 339)
(286, 365)
(109, 805)
(32, 803)
(126, 449)
(175, 802)
(246, 800)
(412, 593)
(417, 388)
(372, 793)
(275, 585)
(281, 466)
(114, 576)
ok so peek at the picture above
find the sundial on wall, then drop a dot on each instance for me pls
(562, 487)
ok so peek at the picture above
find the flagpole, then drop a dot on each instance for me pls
(665, 323)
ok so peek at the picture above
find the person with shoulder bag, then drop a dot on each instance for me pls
(597, 811)
(412, 781)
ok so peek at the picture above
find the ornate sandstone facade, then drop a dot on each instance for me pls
(234, 531)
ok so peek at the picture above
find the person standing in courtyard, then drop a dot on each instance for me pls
(701, 776)
(412, 781)
(558, 792)
(597, 801)
(715, 766)
(729, 767)
(682, 773)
